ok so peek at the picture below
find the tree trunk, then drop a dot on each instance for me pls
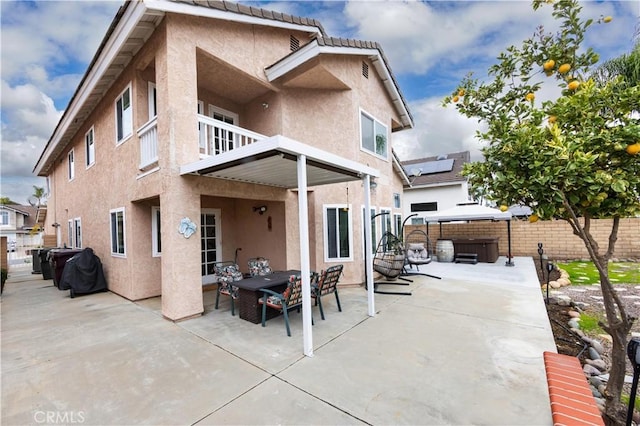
(618, 324)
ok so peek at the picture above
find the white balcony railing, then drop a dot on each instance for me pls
(148, 135)
(217, 137)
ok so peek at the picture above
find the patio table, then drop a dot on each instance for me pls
(249, 293)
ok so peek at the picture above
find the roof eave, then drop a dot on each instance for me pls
(314, 49)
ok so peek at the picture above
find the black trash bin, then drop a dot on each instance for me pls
(45, 266)
(57, 259)
(36, 264)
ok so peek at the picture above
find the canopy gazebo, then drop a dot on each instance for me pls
(472, 212)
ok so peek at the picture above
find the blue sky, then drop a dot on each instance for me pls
(47, 45)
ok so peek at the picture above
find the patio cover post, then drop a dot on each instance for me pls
(368, 247)
(509, 261)
(305, 269)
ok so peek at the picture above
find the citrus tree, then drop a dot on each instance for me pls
(574, 158)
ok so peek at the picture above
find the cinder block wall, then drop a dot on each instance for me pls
(557, 237)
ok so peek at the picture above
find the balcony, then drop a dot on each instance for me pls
(148, 136)
(217, 137)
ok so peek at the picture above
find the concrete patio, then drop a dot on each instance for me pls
(466, 349)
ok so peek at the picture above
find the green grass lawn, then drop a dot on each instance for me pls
(585, 273)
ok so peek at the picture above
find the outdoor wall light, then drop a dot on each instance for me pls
(55, 225)
(260, 209)
(265, 105)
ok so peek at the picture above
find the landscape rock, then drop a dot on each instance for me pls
(574, 314)
(591, 370)
(597, 346)
(597, 363)
(593, 354)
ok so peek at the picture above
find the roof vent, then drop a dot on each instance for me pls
(365, 70)
(441, 157)
(294, 43)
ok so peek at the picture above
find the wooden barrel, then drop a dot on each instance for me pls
(444, 250)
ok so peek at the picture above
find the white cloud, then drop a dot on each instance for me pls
(437, 130)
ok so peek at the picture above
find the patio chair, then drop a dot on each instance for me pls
(290, 298)
(326, 283)
(259, 266)
(227, 273)
(418, 252)
(388, 261)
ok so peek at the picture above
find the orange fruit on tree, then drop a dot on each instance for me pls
(607, 19)
(552, 119)
(530, 97)
(461, 92)
(564, 68)
(573, 85)
(633, 149)
(455, 98)
(548, 66)
(533, 218)
(504, 208)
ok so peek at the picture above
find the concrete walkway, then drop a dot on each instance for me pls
(466, 349)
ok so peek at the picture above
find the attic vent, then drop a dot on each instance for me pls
(365, 70)
(294, 43)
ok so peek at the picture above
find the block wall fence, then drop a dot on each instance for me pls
(557, 237)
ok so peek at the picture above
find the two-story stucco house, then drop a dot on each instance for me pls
(255, 129)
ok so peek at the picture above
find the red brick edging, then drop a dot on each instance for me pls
(572, 402)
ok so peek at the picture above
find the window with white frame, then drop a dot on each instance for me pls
(89, 148)
(396, 200)
(153, 105)
(70, 233)
(338, 233)
(4, 217)
(374, 226)
(117, 232)
(373, 134)
(156, 241)
(397, 223)
(77, 232)
(385, 221)
(124, 116)
(71, 168)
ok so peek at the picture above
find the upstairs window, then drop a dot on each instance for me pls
(4, 218)
(396, 200)
(153, 103)
(124, 116)
(373, 135)
(89, 147)
(71, 169)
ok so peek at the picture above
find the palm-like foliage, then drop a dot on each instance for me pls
(627, 67)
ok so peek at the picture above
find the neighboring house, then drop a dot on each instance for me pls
(435, 184)
(251, 127)
(17, 223)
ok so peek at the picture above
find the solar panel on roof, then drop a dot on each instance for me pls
(430, 167)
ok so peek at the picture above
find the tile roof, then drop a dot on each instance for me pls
(258, 12)
(460, 158)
